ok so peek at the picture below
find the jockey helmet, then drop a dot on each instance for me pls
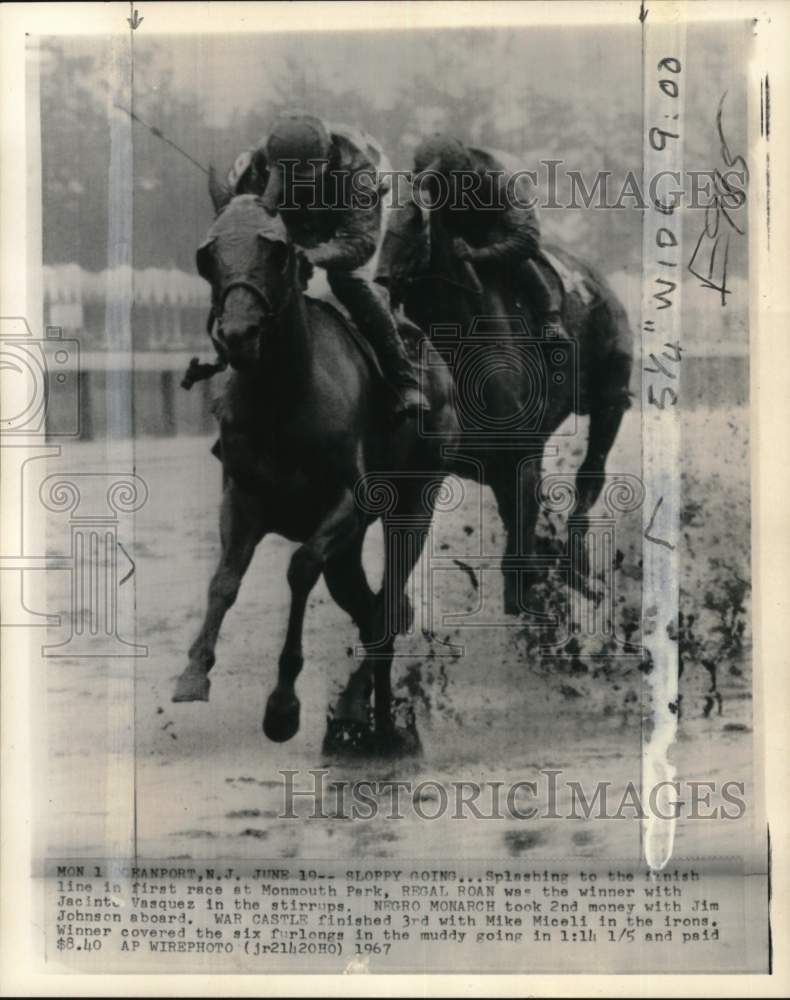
(299, 137)
(441, 153)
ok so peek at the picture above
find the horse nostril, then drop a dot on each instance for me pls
(241, 338)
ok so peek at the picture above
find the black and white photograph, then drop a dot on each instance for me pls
(379, 443)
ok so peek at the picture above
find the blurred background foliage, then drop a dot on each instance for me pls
(540, 94)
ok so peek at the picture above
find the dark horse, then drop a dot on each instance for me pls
(307, 450)
(510, 394)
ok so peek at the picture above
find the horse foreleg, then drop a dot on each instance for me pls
(380, 618)
(345, 577)
(337, 529)
(240, 532)
(515, 491)
(604, 424)
(403, 547)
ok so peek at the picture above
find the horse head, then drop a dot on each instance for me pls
(249, 261)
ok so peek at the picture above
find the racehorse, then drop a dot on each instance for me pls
(308, 447)
(308, 450)
(512, 397)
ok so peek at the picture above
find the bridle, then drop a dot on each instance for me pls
(246, 281)
(218, 308)
(269, 311)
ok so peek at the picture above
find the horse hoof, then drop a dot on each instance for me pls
(345, 735)
(281, 721)
(192, 686)
(352, 711)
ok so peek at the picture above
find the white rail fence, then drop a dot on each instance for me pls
(169, 311)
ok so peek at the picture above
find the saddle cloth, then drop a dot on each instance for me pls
(571, 281)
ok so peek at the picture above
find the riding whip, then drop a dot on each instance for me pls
(160, 135)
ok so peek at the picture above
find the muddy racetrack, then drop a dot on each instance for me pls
(204, 781)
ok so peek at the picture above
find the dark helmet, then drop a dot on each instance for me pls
(442, 154)
(298, 137)
(304, 142)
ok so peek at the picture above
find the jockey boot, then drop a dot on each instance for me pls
(367, 304)
(546, 294)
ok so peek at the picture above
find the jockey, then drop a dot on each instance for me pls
(325, 183)
(489, 213)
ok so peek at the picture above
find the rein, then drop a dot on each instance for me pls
(447, 281)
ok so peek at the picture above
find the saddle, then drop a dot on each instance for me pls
(564, 278)
(546, 281)
(410, 333)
